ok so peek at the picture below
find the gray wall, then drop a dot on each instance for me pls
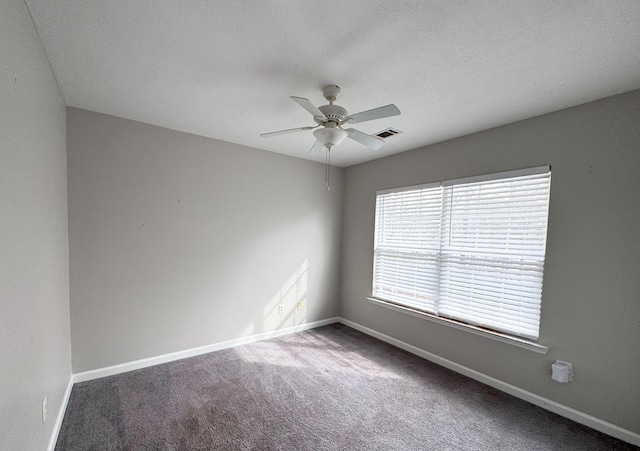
(591, 296)
(34, 279)
(179, 241)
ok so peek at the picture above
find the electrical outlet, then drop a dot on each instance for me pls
(299, 305)
(562, 371)
(281, 308)
(44, 409)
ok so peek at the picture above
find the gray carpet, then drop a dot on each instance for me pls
(331, 388)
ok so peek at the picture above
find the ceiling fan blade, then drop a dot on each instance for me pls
(317, 147)
(376, 113)
(368, 140)
(307, 105)
(284, 132)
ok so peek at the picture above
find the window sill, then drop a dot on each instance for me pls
(504, 338)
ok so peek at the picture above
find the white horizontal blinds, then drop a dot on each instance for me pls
(500, 216)
(487, 292)
(493, 246)
(406, 246)
(470, 249)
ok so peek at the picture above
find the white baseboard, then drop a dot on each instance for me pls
(61, 411)
(560, 409)
(151, 361)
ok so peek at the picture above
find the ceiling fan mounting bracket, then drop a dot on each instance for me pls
(331, 92)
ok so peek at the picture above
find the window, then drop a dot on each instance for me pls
(470, 250)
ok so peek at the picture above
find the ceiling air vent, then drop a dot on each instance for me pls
(387, 132)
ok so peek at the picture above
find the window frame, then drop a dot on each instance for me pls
(478, 328)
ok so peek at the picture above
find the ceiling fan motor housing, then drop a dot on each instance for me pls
(334, 113)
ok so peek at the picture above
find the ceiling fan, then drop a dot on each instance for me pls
(331, 118)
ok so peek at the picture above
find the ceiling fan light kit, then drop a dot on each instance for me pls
(329, 136)
(330, 119)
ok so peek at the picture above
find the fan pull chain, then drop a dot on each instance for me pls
(327, 171)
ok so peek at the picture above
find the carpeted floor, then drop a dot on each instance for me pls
(331, 388)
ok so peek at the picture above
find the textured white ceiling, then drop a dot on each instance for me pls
(226, 69)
